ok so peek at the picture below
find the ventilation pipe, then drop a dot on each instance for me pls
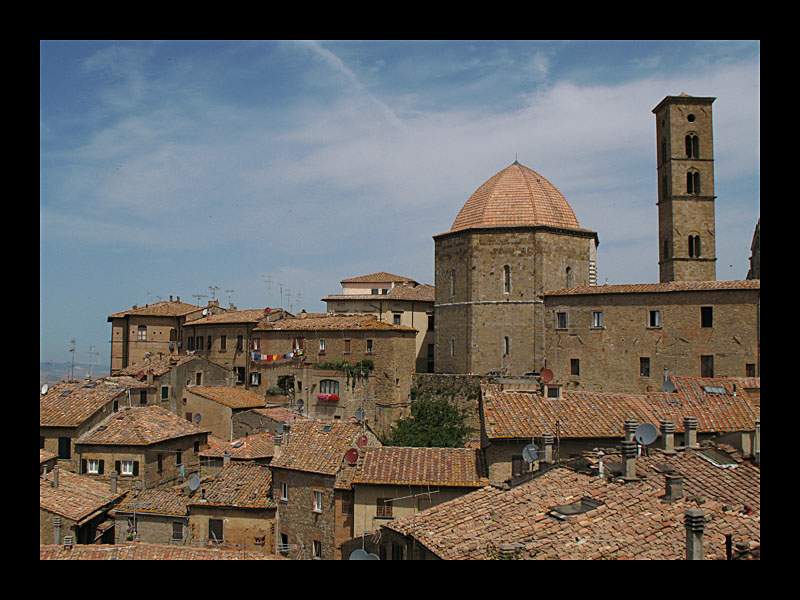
(630, 426)
(55, 476)
(668, 431)
(690, 432)
(547, 440)
(57, 530)
(629, 458)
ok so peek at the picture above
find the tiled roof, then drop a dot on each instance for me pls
(516, 196)
(164, 501)
(127, 381)
(420, 293)
(631, 521)
(251, 447)
(76, 497)
(252, 315)
(280, 413)
(139, 426)
(44, 456)
(318, 446)
(71, 410)
(157, 364)
(658, 288)
(234, 397)
(510, 414)
(459, 467)
(238, 485)
(381, 277)
(333, 323)
(159, 309)
(139, 551)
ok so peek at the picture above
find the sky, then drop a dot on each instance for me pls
(263, 173)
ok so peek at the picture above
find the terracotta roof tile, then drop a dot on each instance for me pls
(76, 497)
(234, 397)
(333, 323)
(250, 447)
(139, 551)
(139, 426)
(157, 364)
(238, 485)
(159, 309)
(380, 277)
(71, 403)
(459, 467)
(318, 446)
(159, 500)
(420, 293)
(658, 288)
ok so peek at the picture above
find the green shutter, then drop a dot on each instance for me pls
(135, 467)
(101, 467)
(116, 467)
(83, 465)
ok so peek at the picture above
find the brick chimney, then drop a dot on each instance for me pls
(114, 482)
(629, 458)
(55, 476)
(630, 426)
(668, 432)
(547, 440)
(674, 487)
(226, 458)
(694, 521)
(57, 530)
(690, 432)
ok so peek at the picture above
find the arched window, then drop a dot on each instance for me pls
(694, 246)
(692, 146)
(506, 346)
(692, 182)
(569, 277)
(328, 386)
(506, 279)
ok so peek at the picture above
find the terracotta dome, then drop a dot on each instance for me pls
(516, 196)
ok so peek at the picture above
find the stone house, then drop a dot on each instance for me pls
(629, 336)
(235, 509)
(47, 460)
(394, 482)
(310, 352)
(75, 506)
(565, 423)
(264, 420)
(71, 408)
(393, 299)
(144, 446)
(312, 482)
(258, 448)
(153, 516)
(215, 406)
(160, 379)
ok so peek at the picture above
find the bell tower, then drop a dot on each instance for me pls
(685, 157)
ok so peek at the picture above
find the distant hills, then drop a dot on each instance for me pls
(60, 371)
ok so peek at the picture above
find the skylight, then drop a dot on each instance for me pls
(568, 511)
(711, 389)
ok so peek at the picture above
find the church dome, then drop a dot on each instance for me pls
(516, 196)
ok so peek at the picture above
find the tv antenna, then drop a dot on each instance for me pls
(198, 296)
(92, 354)
(72, 350)
(213, 289)
(229, 292)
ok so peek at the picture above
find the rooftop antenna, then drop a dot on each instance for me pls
(72, 370)
(229, 292)
(92, 354)
(198, 296)
(289, 298)
(213, 289)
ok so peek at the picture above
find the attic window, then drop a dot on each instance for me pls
(717, 457)
(714, 389)
(326, 428)
(91, 384)
(567, 511)
(67, 393)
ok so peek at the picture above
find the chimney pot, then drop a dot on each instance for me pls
(55, 476)
(629, 457)
(668, 431)
(694, 519)
(57, 530)
(170, 297)
(547, 440)
(630, 426)
(690, 432)
(674, 488)
(114, 482)
(68, 542)
(226, 458)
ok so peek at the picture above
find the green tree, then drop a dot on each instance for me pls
(434, 423)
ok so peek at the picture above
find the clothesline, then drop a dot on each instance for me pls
(258, 357)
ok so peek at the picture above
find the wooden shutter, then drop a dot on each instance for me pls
(135, 467)
(117, 466)
(83, 465)
(101, 467)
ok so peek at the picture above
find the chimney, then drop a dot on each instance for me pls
(668, 431)
(629, 458)
(757, 442)
(55, 476)
(690, 432)
(170, 297)
(630, 426)
(674, 487)
(57, 530)
(68, 542)
(178, 299)
(600, 456)
(226, 458)
(694, 520)
(114, 482)
(547, 439)
(303, 314)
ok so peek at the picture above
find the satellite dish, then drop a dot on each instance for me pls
(351, 456)
(196, 417)
(372, 556)
(45, 387)
(299, 405)
(668, 387)
(358, 554)
(194, 482)
(360, 414)
(279, 428)
(530, 453)
(140, 375)
(205, 312)
(646, 434)
(361, 441)
(547, 375)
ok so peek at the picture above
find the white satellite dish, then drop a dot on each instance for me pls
(205, 312)
(45, 387)
(646, 434)
(299, 405)
(530, 453)
(372, 556)
(279, 428)
(358, 554)
(668, 387)
(194, 482)
(360, 414)
(196, 417)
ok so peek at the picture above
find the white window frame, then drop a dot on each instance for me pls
(284, 491)
(597, 319)
(558, 320)
(141, 333)
(317, 501)
(126, 467)
(322, 345)
(255, 378)
(658, 319)
(92, 466)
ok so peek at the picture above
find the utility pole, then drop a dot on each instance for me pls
(72, 370)
(92, 354)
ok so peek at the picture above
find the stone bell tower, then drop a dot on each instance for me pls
(685, 151)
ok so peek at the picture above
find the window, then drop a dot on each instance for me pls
(369, 347)
(328, 386)
(706, 316)
(322, 346)
(569, 277)
(215, 530)
(347, 346)
(430, 322)
(506, 346)
(164, 392)
(190, 342)
(518, 466)
(93, 466)
(256, 343)
(694, 246)
(64, 448)
(692, 146)
(126, 467)
(374, 291)
(143, 398)
(396, 318)
(452, 282)
(198, 378)
(692, 182)
(706, 366)
(561, 320)
(160, 463)
(255, 378)
(317, 501)
(177, 531)
(142, 333)
(506, 279)
(283, 547)
(239, 343)
(574, 366)
(284, 491)
(178, 458)
(316, 550)
(196, 447)
(223, 343)
(750, 370)
(383, 510)
(208, 343)
(644, 366)
(239, 374)
(597, 319)
(654, 318)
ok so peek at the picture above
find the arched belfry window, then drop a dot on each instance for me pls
(506, 279)
(692, 146)
(692, 182)
(694, 246)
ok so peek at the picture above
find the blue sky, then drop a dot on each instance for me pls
(167, 168)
